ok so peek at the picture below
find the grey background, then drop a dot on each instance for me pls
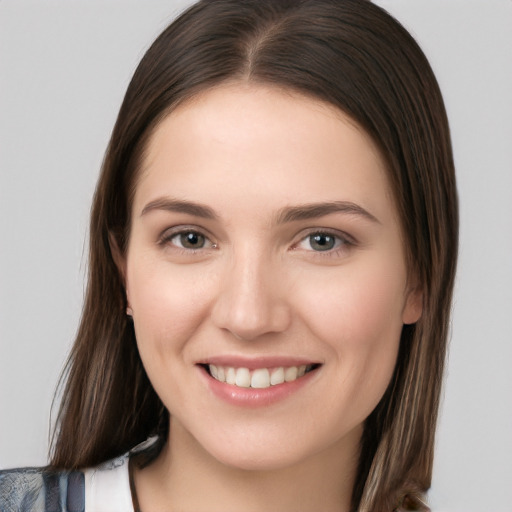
(64, 66)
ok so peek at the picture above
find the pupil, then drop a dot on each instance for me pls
(192, 240)
(321, 242)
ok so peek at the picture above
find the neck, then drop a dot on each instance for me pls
(186, 478)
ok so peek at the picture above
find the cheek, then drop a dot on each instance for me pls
(359, 306)
(358, 316)
(167, 306)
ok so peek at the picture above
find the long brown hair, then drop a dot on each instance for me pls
(351, 54)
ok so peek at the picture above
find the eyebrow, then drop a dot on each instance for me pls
(179, 206)
(315, 210)
(285, 215)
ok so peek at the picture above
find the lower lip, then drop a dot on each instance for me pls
(255, 397)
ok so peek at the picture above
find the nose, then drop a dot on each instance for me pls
(251, 301)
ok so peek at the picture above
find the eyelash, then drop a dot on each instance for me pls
(342, 241)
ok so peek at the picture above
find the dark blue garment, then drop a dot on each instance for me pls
(40, 490)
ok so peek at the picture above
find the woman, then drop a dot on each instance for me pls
(273, 246)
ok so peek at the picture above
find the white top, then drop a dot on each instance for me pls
(107, 487)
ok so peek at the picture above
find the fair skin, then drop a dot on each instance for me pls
(264, 242)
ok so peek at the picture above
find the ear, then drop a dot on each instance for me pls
(413, 305)
(117, 256)
(120, 262)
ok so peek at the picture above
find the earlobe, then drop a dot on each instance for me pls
(413, 306)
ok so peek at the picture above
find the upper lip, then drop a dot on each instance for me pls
(253, 363)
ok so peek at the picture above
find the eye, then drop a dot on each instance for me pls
(187, 239)
(322, 241)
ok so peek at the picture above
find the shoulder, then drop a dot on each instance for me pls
(40, 490)
(105, 488)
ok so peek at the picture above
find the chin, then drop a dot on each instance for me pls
(257, 461)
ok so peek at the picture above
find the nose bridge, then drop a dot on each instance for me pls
(250, 301)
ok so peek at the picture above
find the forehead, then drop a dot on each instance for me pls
(244, 139)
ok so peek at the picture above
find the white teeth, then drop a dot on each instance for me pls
(277, 376)
(290, 374)
(260, 378)
(243, 378)
(230, 376)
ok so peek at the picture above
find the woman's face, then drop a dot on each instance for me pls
(266, 274)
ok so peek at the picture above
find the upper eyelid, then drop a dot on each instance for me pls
(176, 230)
(327, 231)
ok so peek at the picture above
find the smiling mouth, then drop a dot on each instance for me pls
(259, 378)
